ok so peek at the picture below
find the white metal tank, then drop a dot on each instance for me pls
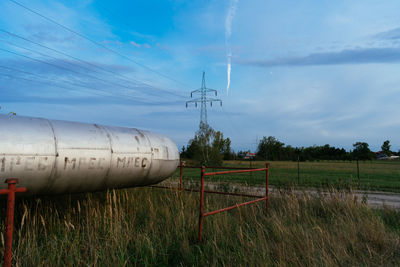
(54, 157)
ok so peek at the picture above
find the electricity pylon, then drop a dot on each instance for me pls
(203, 99)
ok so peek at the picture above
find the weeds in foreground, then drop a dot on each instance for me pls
(144, 226)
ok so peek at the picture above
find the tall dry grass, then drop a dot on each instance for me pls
(147, 227)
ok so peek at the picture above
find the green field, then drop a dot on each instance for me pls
(156, 227)
(374, 175)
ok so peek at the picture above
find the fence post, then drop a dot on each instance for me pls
(10, 217)
(266, 186)
(201, 202)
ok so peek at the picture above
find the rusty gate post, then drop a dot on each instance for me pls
(201, 214)
(266, 186)
(10, 217)
(181, 174)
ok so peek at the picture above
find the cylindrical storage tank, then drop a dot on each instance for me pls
(54, 157)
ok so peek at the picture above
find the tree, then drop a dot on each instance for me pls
(386, 148)
(208, 146)
(270, 149)
(362, 151)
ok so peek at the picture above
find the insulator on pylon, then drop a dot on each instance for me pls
(195, 104)
(211, 103)
(186, 105)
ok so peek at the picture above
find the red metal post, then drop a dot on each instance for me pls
(10, 217)
(181, 170)
(237, 171)
(234, 207)
(201, 215)
(266, 186)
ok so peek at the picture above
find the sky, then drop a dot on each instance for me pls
(307, 72)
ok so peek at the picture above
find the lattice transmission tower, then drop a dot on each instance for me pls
(203, 100)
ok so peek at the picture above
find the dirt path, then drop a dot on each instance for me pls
(376, 199)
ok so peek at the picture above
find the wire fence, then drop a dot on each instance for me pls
(364, 175)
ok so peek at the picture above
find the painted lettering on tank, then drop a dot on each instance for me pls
(3, 164)
(69, 161)
(137, 162)
(11, 164)
(96, 163)
(29, 163)
(42, 166)
(126, 162)
(130, 161)
(82, 161)
(99, 166)
(93, 165)
(122, 161)
(144, 162)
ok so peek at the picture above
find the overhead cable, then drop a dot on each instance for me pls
(99, 44)
(90, 64)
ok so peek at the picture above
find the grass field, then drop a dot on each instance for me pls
(155, 227)
(374, 175)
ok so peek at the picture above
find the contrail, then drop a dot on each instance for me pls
(228, 72)
(228, 31)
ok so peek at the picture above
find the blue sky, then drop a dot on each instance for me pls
(306, 72)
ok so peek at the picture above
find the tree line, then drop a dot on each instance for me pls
(210, 147)
(270, 148)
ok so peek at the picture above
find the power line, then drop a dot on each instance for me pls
(61, 67)
(88, 63)
(99, 44)
(53, 84)
(35, 81)
(57, 66)
(70, 89)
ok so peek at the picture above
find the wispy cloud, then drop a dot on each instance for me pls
(389, 35)
(348, 56)
(135, 44)
(228, 32)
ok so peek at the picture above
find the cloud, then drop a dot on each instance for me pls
(229, 18)
(48, 34)
(348, 56)
(135, 44)
(393, 34)
(228, 32)
(139, 45)
(116, 42)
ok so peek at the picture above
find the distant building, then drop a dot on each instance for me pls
(249, 155)
(382, 156)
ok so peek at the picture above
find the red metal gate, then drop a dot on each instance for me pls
(229, 170)
(203, 214)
